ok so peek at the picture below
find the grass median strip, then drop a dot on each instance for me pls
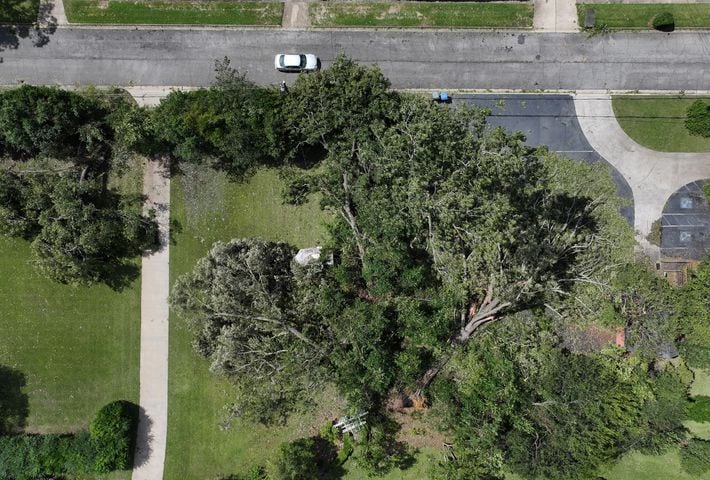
(422, 14)
(176, 13)
(658, 122)
(620, 16)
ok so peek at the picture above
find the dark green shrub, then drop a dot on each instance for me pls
(113, 434)
(697, 119)
(654, 236)
(695, 457)
(664, 22)
(296, 461)
(347, 449)
(699, 409)
(696, 356)
(28, 457)
(706, 187)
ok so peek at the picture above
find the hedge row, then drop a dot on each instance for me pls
(107, 446)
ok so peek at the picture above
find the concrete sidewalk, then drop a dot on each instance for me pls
(555, 16)
(653, 176)
(155, 287)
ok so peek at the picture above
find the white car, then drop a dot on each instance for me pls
(303, 62)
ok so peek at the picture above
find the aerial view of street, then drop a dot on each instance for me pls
(349, 239)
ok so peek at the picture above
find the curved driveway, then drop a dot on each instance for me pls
(653, 176)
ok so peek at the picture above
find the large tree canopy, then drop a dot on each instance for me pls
(461, 257)
(80, 232)
(255, 322)
(232, 125)
(58, 150)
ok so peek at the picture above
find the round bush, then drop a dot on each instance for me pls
(664, 22)
(697, 120)
(113, 433)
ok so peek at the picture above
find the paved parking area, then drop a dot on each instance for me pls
(686, 223)
(547, 120)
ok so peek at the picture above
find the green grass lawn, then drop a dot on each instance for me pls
(422, 14)
(620, 16)
(209, 208)
(179, 12)
(18, 11)
(77, 347)
(658, 122)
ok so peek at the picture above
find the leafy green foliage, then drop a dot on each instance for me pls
(646, 302)
(255, 323)
(233, 125)
(697, 120)
(43, 121)
(655, 235)
(695, 457)
(379, 451)
(27, 457)
(665, 411)
(693, 308)
(664, 22)
(699, 409)
(296, 461)
(62, 146)
(81, 232)
(113, 433)
(695, 355)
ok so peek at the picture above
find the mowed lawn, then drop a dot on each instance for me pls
(208, 208)
(658, 122)
(639, 16)
(175, 12)
(77, 347)
(422, 14)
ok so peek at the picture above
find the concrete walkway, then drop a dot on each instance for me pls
(555, 16)
(51, 13)
(653, 176)
(295, 15)
(155, 288)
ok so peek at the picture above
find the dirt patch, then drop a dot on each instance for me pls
(203, 194)
(417, 430)
(392, 11)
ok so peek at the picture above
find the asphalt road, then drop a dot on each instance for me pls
(411, 59)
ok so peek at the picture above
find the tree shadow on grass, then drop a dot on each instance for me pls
(14, 405)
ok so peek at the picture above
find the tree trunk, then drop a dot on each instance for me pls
(486, 314)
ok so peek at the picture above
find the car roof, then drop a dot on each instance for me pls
(292, 60)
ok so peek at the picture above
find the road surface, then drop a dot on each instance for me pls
(411, 59)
